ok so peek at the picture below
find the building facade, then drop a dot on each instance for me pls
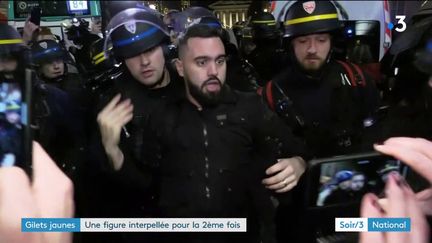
(231, 12)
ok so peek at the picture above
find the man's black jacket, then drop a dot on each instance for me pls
(212, 160)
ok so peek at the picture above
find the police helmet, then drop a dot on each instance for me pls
(98, 59)
(196, 15)
(12, 46)
(343, 175)
(247, 32)
(78, 29)
(134, 31)
(205, 16)
(45, 51)
(264, 26)
(308, 17)
(10, 41)
(170, 17)
(238, 28)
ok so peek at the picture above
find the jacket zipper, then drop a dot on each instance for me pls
(206, 159)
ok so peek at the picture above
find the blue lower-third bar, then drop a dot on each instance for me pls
(50, 225)
(389, 224)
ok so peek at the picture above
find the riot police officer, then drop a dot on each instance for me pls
(80, 35)
(119, 174)
(147, 74)
(325, 101)
(237, 28)
(120, 182)
(317, 94)
(268, 57)
(51, 61)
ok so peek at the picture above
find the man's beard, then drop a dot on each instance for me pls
(206, 99)
(312, 70)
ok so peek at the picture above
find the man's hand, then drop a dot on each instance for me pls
(416, 153)
(401, 202)
(29, 30)
(111, 121)
(289, 171)
(50, 196)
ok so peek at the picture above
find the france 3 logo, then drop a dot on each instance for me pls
(401, 25)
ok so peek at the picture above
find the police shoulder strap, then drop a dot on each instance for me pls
(269, 95)
(355, 74)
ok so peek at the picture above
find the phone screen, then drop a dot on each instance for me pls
(346, 180)
(15, 142)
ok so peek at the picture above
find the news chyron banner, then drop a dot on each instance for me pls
(133, 225)
(372, 224)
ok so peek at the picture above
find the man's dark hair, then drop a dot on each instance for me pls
(200, 31)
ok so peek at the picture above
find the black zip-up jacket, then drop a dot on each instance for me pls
(212, 160)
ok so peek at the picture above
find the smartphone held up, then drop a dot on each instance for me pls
(15, 132)
(35, 15)
(346, 179)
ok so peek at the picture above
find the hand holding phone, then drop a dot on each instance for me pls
(346, 179)
(35, 15)
(29, 29)
(400, 200)
(417, 153)
(15, 134)
(401, 203)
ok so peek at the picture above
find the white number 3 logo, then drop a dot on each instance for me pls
(401, 21)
